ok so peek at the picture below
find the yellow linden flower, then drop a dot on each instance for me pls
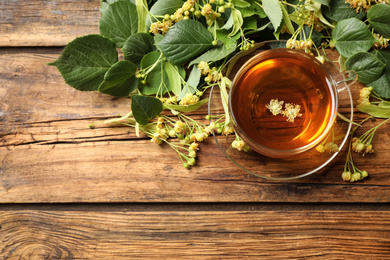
(291, 112)
(275, 106)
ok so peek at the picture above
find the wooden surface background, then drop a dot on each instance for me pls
(69, 192)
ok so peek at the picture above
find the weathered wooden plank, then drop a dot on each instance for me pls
(48, 153)
(46, 23)
(191, 234)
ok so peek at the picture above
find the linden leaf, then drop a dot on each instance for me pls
(157, 78)
(185, 41)
(382, 85)
(338, 10)
(119, 22)
(366, 65)
(145, 108)
(85, 60)
(120, 80)
(379, 18)
(352, 36)
(274, 12)
(137, 46)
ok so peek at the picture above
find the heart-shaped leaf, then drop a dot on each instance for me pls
(382, 85)
(366, 65)
(186, 40)
(119, 22)
(352, 36)
(145, 108)
(379, 18)
(120, 80)
(137, 46)
(85, 60)
(338, 10)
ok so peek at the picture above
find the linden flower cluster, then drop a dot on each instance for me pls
(300, 45)
(364, 98)
(189, 99)
(213, 74)
(188, 131)
(365, 5)
(382, 43)
(291, 110)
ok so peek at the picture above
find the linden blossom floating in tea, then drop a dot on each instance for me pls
(291, 111)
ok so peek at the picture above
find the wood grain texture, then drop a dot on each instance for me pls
(195, 235)
(48, 153)
(46, 23)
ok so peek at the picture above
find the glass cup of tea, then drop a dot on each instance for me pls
(284, 102)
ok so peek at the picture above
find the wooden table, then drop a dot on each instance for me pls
(69, 192)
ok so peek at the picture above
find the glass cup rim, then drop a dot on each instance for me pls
(275, 153)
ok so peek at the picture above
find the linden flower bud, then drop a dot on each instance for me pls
(194, 147)
(320, 148)
(359, 147)
(346, 176)
(332, 147)
(356, 177)
(191, 161)
(238, 144)
(192, 154)
(199, 137)
(180, 127)
(227, 130)
(365, 92)
(368, 149)
(364, 174)
(172, 133)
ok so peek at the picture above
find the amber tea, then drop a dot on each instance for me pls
(282, 100)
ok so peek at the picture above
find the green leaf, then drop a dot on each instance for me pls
(366, 65)
(215, 54)
(120, 80)
(137, 46)
(85, 60)
(186, 109)
(186, 40)
(382, 85)
(323, 2)
(174, 77)
(379, 18)
(381, 110)
(119, 22)
(253, 10)
(240, 3)
(145, 108)
(352, 36)
(104, 4)
(339, 10)
(157, 78)
(223, 35)
(274, 12)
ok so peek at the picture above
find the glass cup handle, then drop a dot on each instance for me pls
(345, 79)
